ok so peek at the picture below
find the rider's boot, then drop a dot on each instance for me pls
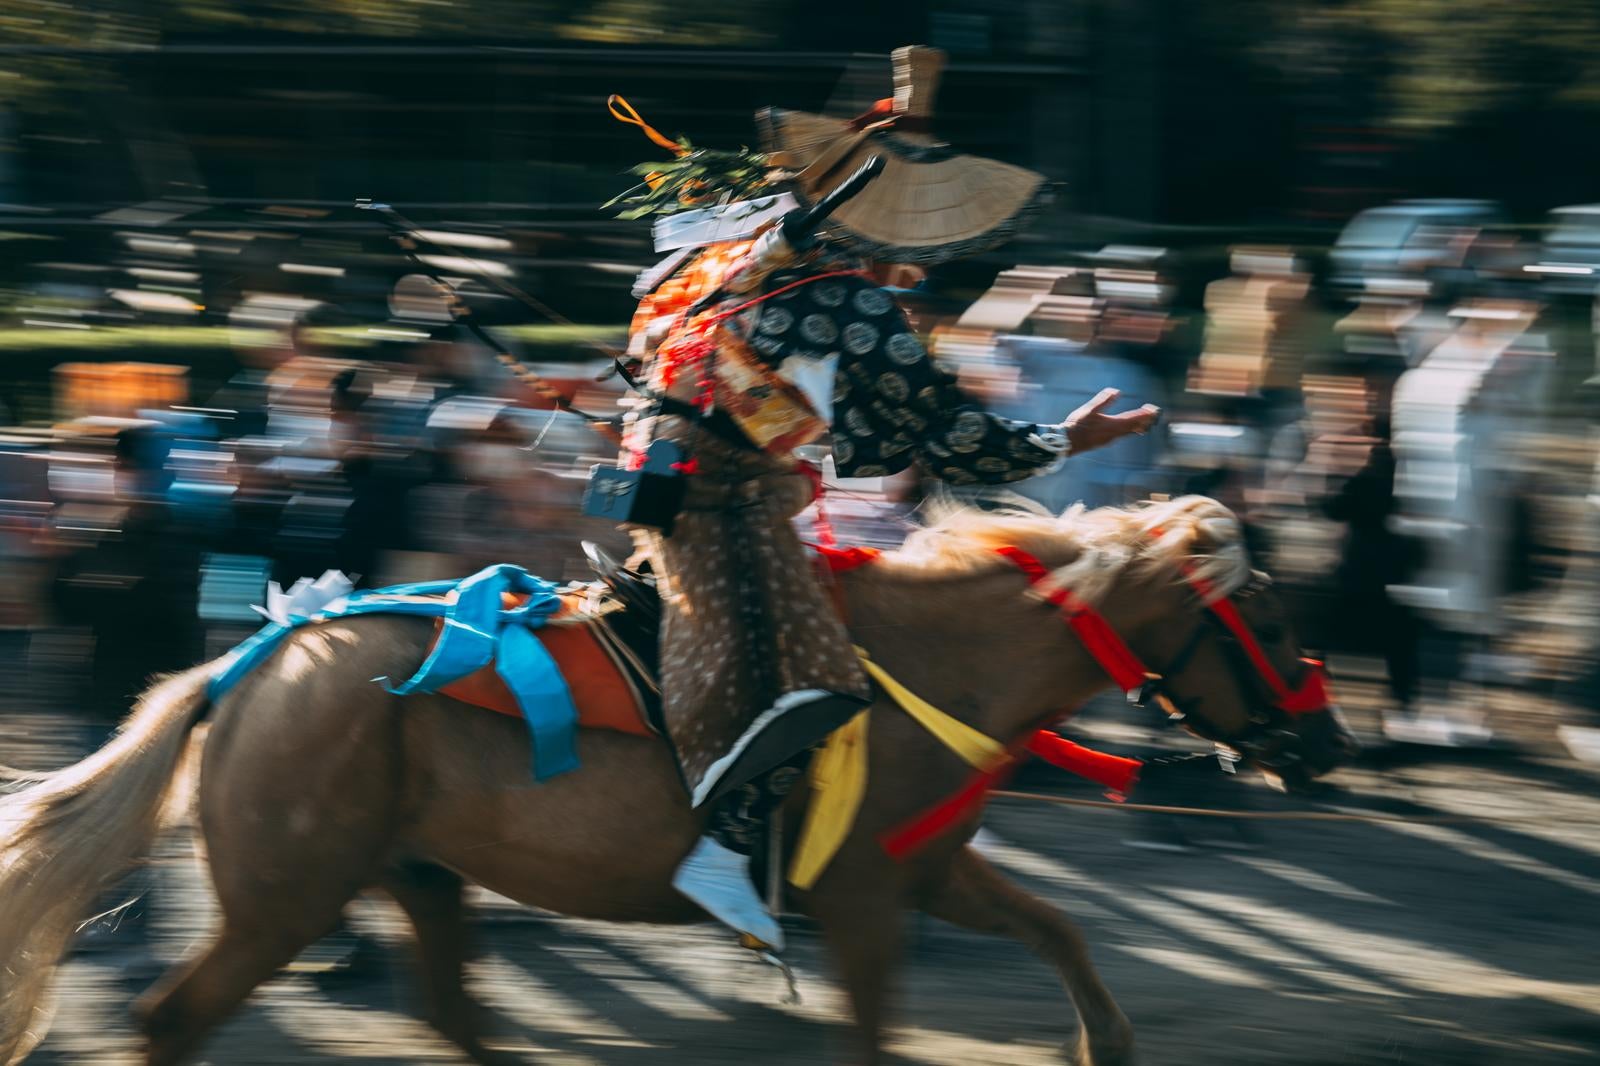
(716, 874)
(718, 879)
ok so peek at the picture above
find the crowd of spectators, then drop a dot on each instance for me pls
(1388, 452)
(154, 531)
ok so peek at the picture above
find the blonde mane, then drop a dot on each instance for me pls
(1195, 532)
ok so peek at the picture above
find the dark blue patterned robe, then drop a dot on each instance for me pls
(891, 402)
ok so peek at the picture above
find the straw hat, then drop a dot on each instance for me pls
(931, 203)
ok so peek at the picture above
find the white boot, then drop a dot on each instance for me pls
(719, 880)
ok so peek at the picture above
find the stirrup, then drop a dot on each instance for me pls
(718, 880)
(765, 953)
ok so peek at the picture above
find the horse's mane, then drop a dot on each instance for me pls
(1099, 545)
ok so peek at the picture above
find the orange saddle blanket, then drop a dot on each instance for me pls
(603, 688)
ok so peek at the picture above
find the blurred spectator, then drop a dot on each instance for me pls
(1375, 556)
(1056, 375)
(1227, 483)
(1256, 328)
(1139, 320)
(508, 487)
(135, 586)
(1461, 418)
(1034, 350)
(245, 399)
(1387, 332)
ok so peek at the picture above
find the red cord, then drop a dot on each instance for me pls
(820, 522)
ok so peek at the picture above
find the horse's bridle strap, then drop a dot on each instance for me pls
(1312, 695)
(1129, 671)
(1091, 627)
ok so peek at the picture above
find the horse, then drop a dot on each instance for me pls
(315, 785)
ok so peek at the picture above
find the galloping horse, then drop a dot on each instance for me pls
(316, 784)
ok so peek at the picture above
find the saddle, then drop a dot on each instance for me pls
(605, 644)
(639, 623)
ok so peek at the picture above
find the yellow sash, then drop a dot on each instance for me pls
(839, 772)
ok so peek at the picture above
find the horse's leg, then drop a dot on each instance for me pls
(863, 930)
(300, 792)
(183, 1007)
(979, 897)
(431, 896)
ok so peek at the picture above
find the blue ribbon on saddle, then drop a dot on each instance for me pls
(477, 630)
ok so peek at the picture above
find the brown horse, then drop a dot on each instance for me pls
(315, 784)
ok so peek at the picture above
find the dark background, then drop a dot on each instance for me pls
(1241, 112)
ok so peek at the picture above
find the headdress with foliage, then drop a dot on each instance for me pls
(695, 178)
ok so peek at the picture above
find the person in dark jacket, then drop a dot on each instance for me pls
(136, 588)
(1375, 557)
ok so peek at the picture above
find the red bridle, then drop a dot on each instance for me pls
(1118, 660)
(1129, 671)
(1312, 693)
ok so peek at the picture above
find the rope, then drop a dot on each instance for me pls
(1279, 816)
(410, 231)
(554, 395)
(623, 111)
(706, 324)
(407, 236)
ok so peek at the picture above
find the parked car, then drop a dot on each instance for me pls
(1407, 237)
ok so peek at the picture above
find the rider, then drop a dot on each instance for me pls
(775, 343)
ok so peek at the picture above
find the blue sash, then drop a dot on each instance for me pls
(476, 632)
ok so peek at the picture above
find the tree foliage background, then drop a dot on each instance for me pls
(1433, 63)
(47, 47)
(1490, 94)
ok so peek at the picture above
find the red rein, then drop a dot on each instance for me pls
(1108, 649)
(1312, 695)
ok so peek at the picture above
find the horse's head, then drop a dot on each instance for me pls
(1217, 641)
(1164, 600)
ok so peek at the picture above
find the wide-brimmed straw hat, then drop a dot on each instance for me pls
(931, 203)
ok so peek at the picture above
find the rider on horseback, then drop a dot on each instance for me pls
(778, 342)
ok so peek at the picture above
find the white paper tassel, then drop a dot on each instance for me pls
(306, 598)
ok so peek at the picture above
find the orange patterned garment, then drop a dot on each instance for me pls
(675, 295)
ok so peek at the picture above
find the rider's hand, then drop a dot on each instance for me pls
(1089, 427)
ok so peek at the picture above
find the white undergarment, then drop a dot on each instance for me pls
(814, 378)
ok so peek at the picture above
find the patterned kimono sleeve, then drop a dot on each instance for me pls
(967, 445)
(894, 404)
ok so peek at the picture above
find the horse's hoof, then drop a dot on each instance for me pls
(141, 970)
(488, 1056)
(468, 1027)
(1105, 1050)
(484, 1055)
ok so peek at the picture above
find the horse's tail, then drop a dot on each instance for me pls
(68, 836)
